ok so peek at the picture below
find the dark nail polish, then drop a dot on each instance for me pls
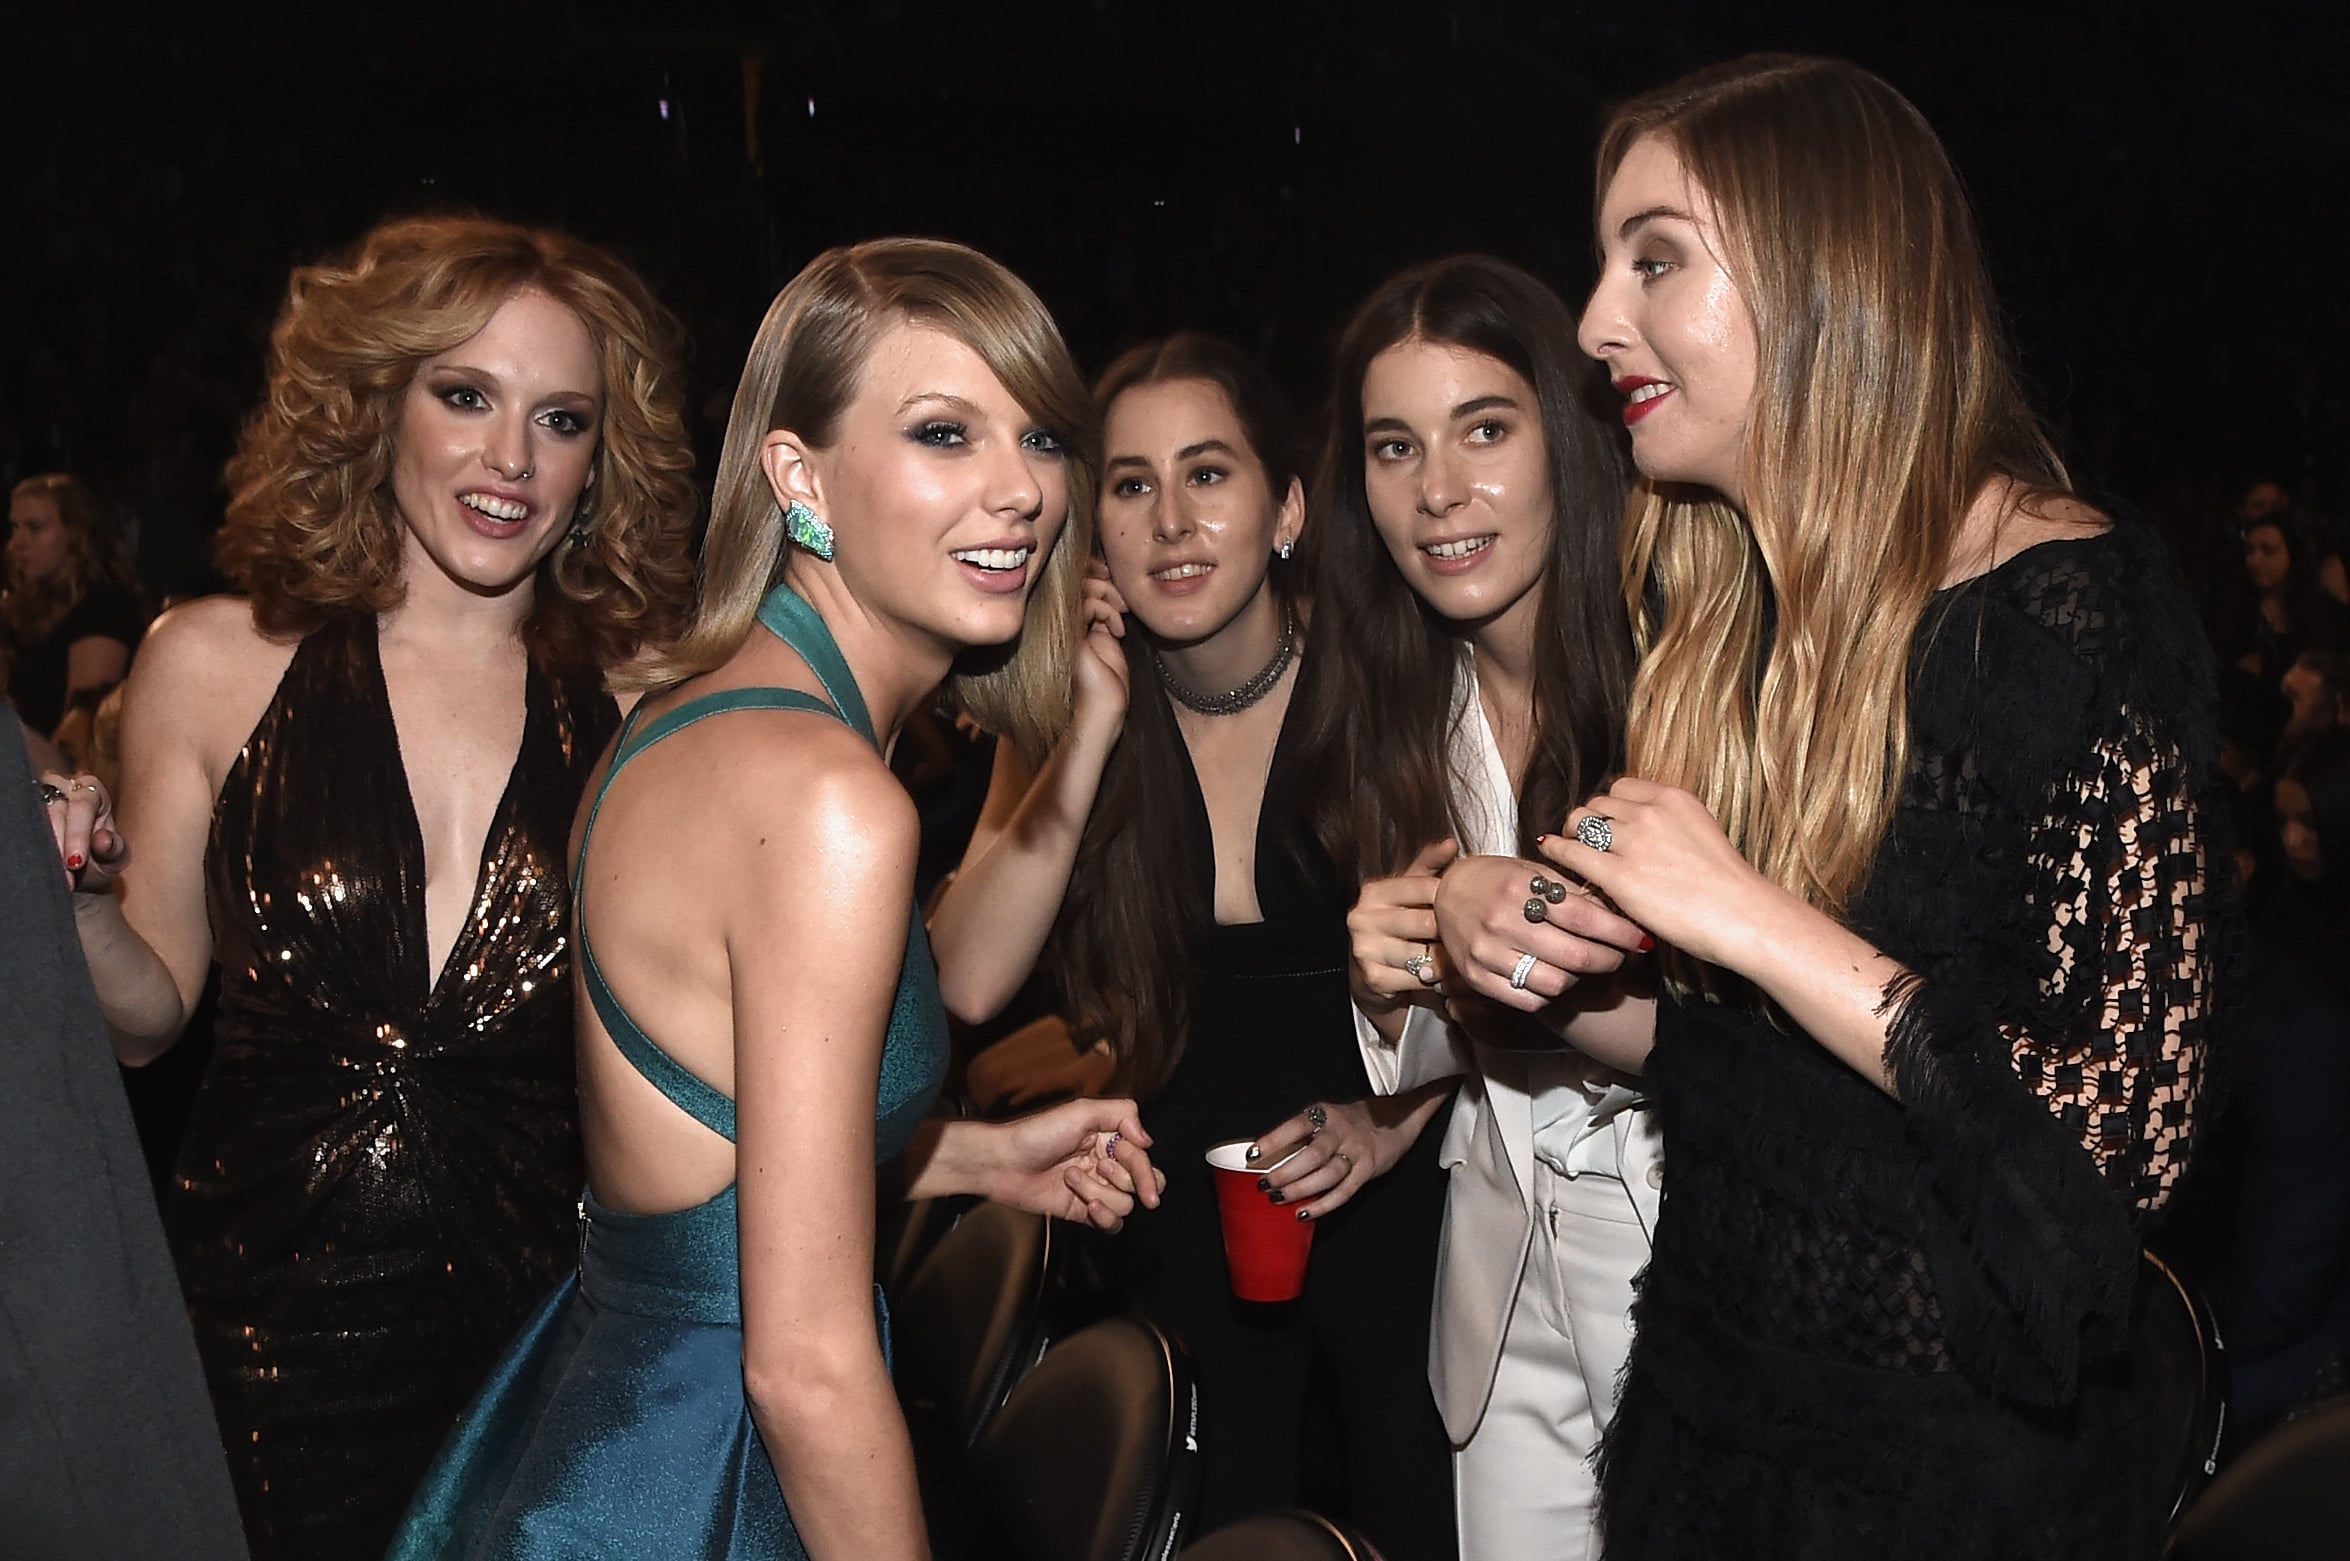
(1647, 943)
(1303, 1215)
(1280, 1197)
(1264, 1184)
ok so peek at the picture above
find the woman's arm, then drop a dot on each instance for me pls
(2055, 1098)
(830, 878)
(1082, 1161)
(991, 922)
(144, 928)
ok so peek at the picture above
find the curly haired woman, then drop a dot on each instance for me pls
(465, 493)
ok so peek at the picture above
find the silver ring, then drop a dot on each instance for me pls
(1340, 1154)
(1537, 909)
(49, 793)
(1526, 964)
(1110, 1146)
(1318, 1116)
(1597, 831)
(1417, 965)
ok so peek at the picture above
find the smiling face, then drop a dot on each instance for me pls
(1670, 325)
(1458, 477)
(944, 494)
(1189, 520)
(37, 541)
(496, 443)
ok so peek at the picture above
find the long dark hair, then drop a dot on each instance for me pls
(1380, 696)
(1133, 905)
(2311, 617)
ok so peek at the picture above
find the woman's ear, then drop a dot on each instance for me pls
(791, 475)
(1290, 523)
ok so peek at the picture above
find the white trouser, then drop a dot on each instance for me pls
(1523, 1485)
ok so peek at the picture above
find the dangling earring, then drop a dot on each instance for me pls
(804, 526)
(1287, 547)
(580, 534)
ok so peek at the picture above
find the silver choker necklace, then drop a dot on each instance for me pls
(1248, 693)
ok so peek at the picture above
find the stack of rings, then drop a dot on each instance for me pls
(1525, 968)
(1541, 894)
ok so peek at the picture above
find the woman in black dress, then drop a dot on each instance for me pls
(464, 495)
(1161, 865)
(1914, 796)
(70, 617)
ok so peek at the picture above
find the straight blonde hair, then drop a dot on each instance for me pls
(1885, 399)
(801, 375)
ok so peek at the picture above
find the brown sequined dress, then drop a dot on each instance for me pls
(380, 1177)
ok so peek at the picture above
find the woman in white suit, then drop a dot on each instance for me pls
(1471, 498)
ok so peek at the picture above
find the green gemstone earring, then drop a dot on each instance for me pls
(804, 526)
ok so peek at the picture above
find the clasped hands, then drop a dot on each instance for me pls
(1449, 926)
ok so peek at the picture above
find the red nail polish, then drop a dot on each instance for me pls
(74, 862)
(1647, 943)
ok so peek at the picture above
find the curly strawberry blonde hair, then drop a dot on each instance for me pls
(312, 530)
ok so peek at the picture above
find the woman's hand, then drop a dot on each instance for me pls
(1036, 1062)
(1670, 867)
(1482, 914)
(1320, 1158)
(90, 850)
(1392, 928)
(1101, 664)
(1082, 1161)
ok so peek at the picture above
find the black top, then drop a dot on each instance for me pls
(1271, 1029)
(380, 1176)
(1895, 1324)
(36, 672)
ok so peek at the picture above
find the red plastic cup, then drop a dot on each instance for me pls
(1265, 1243)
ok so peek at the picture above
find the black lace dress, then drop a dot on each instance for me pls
(1895, 1325)
(381, 1176)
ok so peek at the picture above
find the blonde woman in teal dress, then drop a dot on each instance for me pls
(903, 498)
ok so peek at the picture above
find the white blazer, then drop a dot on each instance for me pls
(1489, 1143)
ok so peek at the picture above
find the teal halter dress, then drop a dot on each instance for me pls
(616, 1425)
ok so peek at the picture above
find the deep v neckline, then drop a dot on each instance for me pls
(409, 826)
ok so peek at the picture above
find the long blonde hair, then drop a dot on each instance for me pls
(1885, 399)
(802, 373)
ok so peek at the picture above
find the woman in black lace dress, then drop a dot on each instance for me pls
(350, 789)
(1915, 758)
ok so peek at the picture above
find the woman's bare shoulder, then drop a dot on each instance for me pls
(206, 672)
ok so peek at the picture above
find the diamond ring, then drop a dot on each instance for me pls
(1597, 831)
(1526, 964)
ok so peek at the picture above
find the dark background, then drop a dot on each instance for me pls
(2162, 187)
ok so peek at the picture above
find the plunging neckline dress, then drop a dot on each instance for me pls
(617, 1425)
